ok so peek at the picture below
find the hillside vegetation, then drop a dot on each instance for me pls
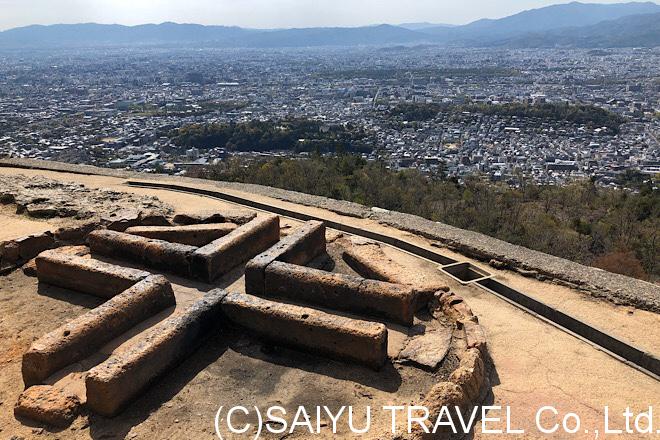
(617, 230)
(291, 135)
(588, 115)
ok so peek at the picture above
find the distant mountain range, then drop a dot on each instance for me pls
(566, 25)
(424, 25)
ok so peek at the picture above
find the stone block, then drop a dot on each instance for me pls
(192, 235)
(475, 336)
(395, 302)
(75, 234)
(159, 254)
(113, 384)
(32, 245)
(470, 374)
(49, 405)
(81, 337)
(300, 247)
(85, 274)
(9, 254)
(443, 394)
(310, 329)
(121, 220)
(220, 256)
(239, 217)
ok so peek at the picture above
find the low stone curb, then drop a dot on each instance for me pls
(468, 385)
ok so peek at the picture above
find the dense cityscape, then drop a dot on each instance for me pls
(124, 108)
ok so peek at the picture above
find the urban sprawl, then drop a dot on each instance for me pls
(121, 108)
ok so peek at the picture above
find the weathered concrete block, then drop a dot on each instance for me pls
(192, 235)
(239, 217)
(32, 245)
(85, 274)
(9, 254)
(82, 336)
(117, 244)
(30, 268)
(153, 218)
(395, 302)
(121, 220)
(75, 234)
(170, 257)
(300, 247)
(470, 374)
(220, 256)
(309, 329)
(47, 404)
(112, 384)
(475, 336)
(159, 254)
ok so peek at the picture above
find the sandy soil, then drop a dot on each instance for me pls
(535, 364)
(14, 226)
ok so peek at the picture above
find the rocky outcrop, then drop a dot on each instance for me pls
(40, 197)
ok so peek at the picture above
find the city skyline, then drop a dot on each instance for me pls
(269, 14)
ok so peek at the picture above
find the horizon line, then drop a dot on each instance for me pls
(401, 24)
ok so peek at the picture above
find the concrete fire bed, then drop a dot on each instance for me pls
(310, 329)
(206, 263)
(280, 273)
(279, 306)
(84, 335)
(113, 384)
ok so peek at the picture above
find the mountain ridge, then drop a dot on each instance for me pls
(571, 25)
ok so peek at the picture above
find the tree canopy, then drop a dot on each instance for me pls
(581, 221)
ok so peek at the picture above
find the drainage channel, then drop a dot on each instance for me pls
(465, 273)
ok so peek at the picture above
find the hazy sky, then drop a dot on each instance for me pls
(260, 13)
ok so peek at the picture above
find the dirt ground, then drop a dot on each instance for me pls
(14, 226)
(535, 364)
